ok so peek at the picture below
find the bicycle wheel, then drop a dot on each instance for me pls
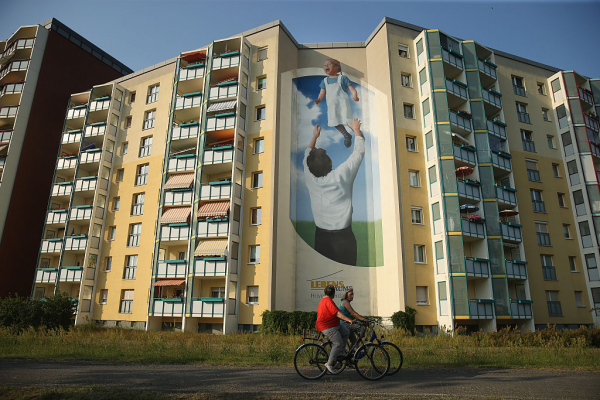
(340, 365)
(372, 361)
(396, 358)
(310, 360)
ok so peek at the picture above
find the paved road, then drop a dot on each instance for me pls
(283, 381)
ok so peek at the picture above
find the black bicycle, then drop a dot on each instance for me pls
(370, 360)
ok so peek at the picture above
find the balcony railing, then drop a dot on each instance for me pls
(100, 103)
(95, 129)
(549, 272)
(73, 136)
(497, 128)
(523, 117)
(221, 121)
(452, 58)
(231, 59)
(175, 232)
(178, 197)
(71, 274)
(519, 90)
(492, 97)
(14, 66)
(188, 100)
(208, 307)
(91, 156)
(86, 183)
(52, 245)
(528, 145)
(473, 229)
(191, 71)
(469, 189)
(56, 217)
(538, 206)
(511, 232)
(501, 160)
(79, 213)
(22, 43)
(586, 95)
(481, 309)
(46, 275)
(543, 239)
(457, 88)
(215, 190)
(516, 269)
(5, 135)
(69, 162)
(167, 307)
(592, 122)
(465, 153)
(185, 131)
(77, 112)
(223, 91)
(217, 227)
(171, 269)
(218, 155)
(62, 189)
(77, 242)
(460, 121)
(506, 195)
(8, 111)
(11, 88)
(185, 162)
(210, 266)
(487, 67)
(477, 267)
(521, 309)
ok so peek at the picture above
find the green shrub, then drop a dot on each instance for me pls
(405, 319)
(19, 313)
(288, 321)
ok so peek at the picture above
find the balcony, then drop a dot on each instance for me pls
(191, 71)
(586, 96)
(46, 275)
(81, 213)
(539, 206)
(178, 197)
(218, 155)
(461, 122)
(76, 243)
(501, 161)
(175, 232)
(213, 227)
(473, 229)
(56, 217)
(465, 154)
(215, 190)
(86, 183)
(181, 163)
(528, 145)
(210, 307)
(19, 44)
(493, 98)
(519, 90)
(523, 117)
(223, 90)
(452, 58)
(489, 70)
(592, 122)
(521, 309)
(62, 189)
(211, 266)
(185, 131)
(167, 307)
(511, 232)
(72, 136)
(5, 135)
(477, 267)
(14, 66)
(188, 100)
(69, 162)
(459, 91)
(221, 121)
(469, 189)
(8, 111)
(100, 103)
(516, 269)
(52, 245)
(77, 111)
(226, 60)
(481, 308)
(171, 269)
(12, 88)
(91, 156)
(71, 274)
(95, 129)
(497, 128)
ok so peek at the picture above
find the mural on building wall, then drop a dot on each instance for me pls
(335, 202)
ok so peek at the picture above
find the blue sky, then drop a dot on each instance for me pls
(140, 33)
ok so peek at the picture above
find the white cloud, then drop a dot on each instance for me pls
(308, 114)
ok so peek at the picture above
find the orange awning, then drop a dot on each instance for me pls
(180, 181)
(214, 209)
(207, 248)
(177, 215)
(195, 56)
(169, 282)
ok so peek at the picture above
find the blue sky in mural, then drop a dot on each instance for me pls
(366, 194)
(141, 33)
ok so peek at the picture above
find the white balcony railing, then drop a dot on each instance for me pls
(208, 307)
(223, 91)
(86, 183)
(56, 217)
(218, 155)
(46, 275)
(62, 189)
(77, 112)
(91, 156)
(95, 129)
(71, 274)
(167, 307)
(188, 100)
(231, 59)
(178, 197)
(181, 163)
(171, 269)
(213, 228)
(78, 242)
(100, 103)
(67, 162)
(191, 72)
(210, 266)
(52, 245)
(79, 213)
(175, 232)
(185, 131)
(215, 190)
(220, 121)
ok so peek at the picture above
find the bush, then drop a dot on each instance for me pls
(405, 319)
(19, 313)
(288, 321)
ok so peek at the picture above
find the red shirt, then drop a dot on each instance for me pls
(327, 314)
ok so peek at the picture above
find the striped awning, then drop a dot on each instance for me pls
(224, 105)
(214, 209)
(208, 248)
(169, 282)
(177, 215)
(180, 181)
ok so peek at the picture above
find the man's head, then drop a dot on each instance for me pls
(330, 291)
(319, 163)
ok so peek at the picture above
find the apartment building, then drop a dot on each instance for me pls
(184, 196)
(40, 66)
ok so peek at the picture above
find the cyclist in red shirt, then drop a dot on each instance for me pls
(328, 322)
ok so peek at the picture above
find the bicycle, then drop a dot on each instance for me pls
(370, 360)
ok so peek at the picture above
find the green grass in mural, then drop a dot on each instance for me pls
(369, 240)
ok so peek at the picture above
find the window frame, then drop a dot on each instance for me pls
(112, 233)
(134, 238)
(254, 254)
(255, 216)
(103, 296)
(149, 119)
(413, 148)
(255, 299)
(403, 50)
(422, 302)
(406, 77)
(418, 250)
(264, 50)
(261, 82)
(257, 175)
(152, 96)
(260, 111)
(411, 108)
(417, 211)
(256, 141)
(136, 205)
(415, 173)
(145, 147)
(141, 178)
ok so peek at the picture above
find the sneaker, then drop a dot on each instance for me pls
(347, 140)
(330, 369)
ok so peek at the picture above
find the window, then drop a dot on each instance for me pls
(142, 175)
(107, 264)
(112, 231)
(131, 97)
(551, 143)
(146, 146)
(116, 202)
(124, 148)
(548, 270)
(545, 115)
(522, 113)
(416, 214)
(426, 107)
(403, 50)
(252, 295)
(541, 88)
(411, 143)
(261, 113)
(135, 231)
(259, 146)
(592, 267)
(126, 302)
(422, 298)
(137, 205)
(261, 83)
(103, 296)
(518, 86)
(257, 180)
(149, 119)
(537, 201)
(578, 299)
(579, 202)
(555, 170)
(572, 264)
(217, 292)
(573, 172)
(254, 256)
(561, 200)
(255, 216)
(419, 251)
(406, 80)
(554, 309)
(119, 177)
(567, 231)
(543, 236)
(130, 267)
(152, 94)
(127, 124)
(262, 54)
(584, 230)
(413, 178)
(408, 111)
(532, 171)
(527, 139)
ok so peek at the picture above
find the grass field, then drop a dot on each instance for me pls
(369, 241)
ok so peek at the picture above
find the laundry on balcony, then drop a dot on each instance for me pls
(211, 248)
(177, 215)
(223, 105)
(180, 181)
(214, 209)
